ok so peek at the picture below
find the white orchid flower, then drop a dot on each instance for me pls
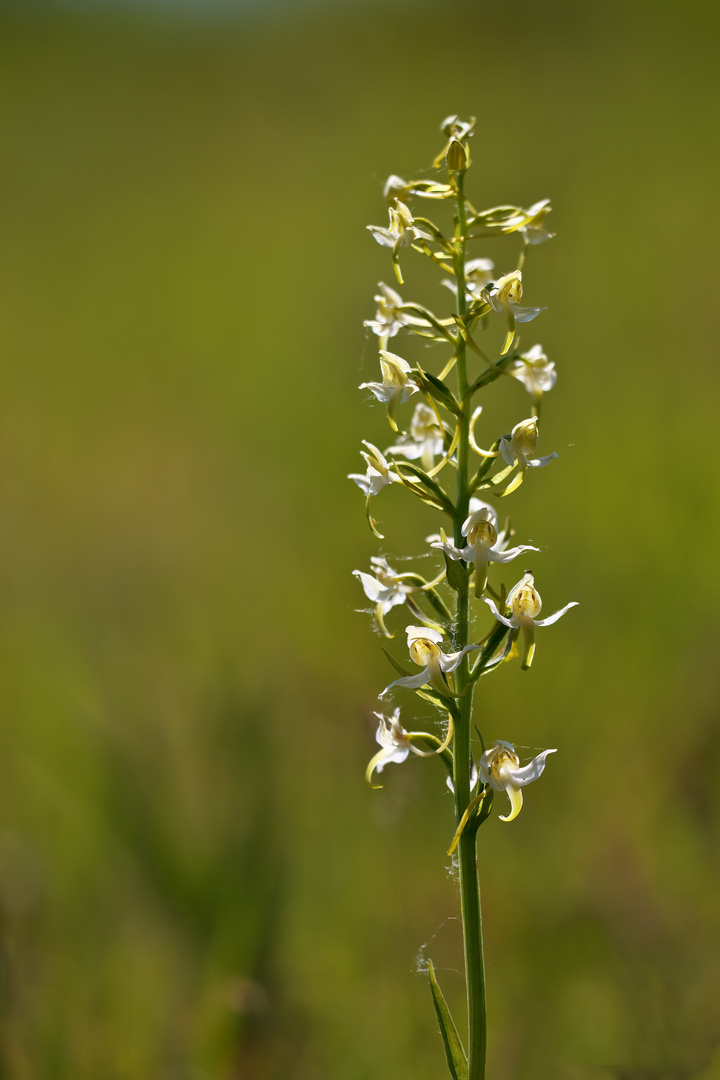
(505, 294)
(478, 275)
(455, 128)
(396, 743)
(401, 233)
(397, 188)
(474, 505)
(483, 546)
(523, 442)
(396, 386)
(500, 768)
(535, 372)
(425, 651)
(525, 605)
(389, 318)
(533, 230)
(378, 472)
(386, 590)
(426, 439)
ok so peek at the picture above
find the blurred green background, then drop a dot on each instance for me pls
(195, 881)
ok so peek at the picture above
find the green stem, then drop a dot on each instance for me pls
(469, 886)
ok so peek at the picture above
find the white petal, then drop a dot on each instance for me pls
(554, 618)
(410, 450)
(372, 587)
(412, 682)
(451, 661)
(478, 504)
(528, 773)
(399, 754)
(383, 236)
(501, 618)
(363, 482)
(495, 555)
(540, 462)
(415, 632)
(450, 550)
(507, 452)
(381, 392)
(525, 314)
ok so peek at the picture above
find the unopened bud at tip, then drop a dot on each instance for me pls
(456, 156)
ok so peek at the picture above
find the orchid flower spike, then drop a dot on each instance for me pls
(483, 546)
(386, 590)
(535, 372)
(523, 442)
(426, 439)
(401, 233)
(396, 744)
(425, 651)
(396, 386)
(378, 472)
(505, 295)
(500, 768)
(525, 605)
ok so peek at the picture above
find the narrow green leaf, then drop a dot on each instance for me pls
(456, 573)
(427, 482)
(433, 697)
(437, 389)
(493, 372)
(454, 1050)
(483, 811)
(435, 600)
(398, 667)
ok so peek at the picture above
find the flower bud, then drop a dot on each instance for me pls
(456, 156)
